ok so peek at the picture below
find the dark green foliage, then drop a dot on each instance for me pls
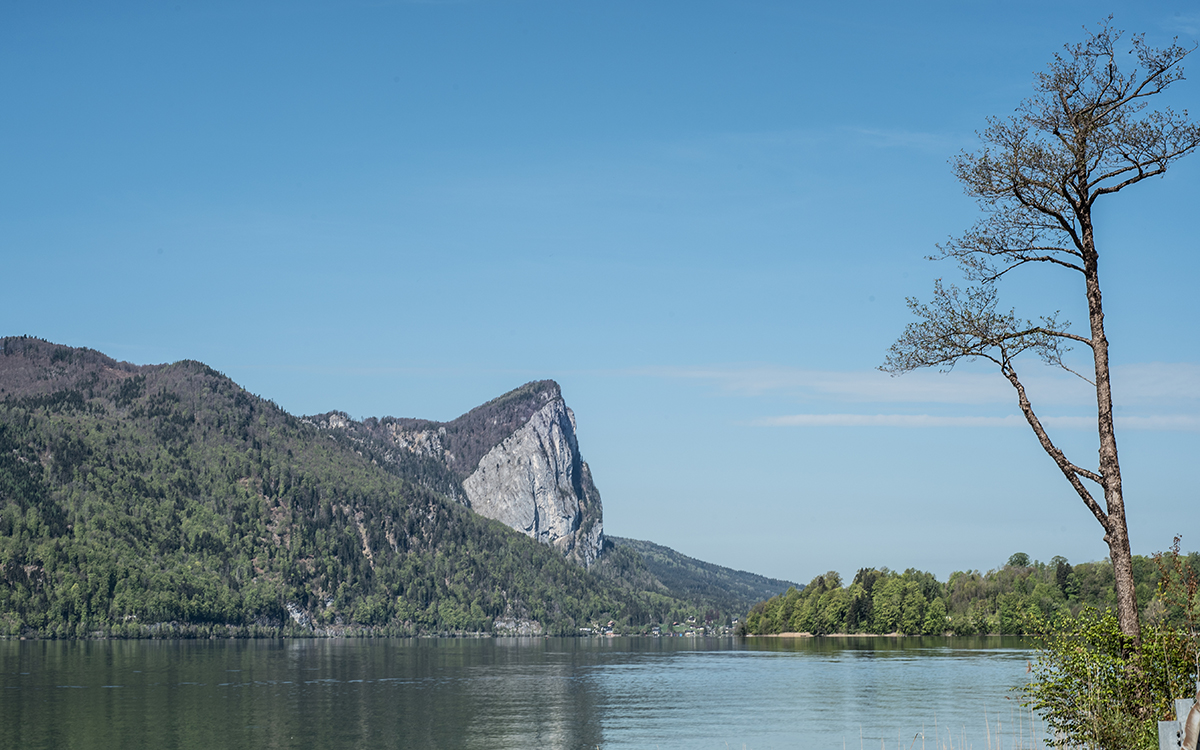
(129, 390)
(1018, 560)
(1096, 690)
(167, 500)
(1018, 598)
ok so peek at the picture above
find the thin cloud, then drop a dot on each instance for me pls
(1188, 23)
(1157, 381)
(884, 420)
(1147, 384)
(862, 386)
(1150, 423)
(936, 143)
(1180, 422)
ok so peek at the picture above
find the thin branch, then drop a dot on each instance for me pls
(1068, 227)
(1066, 335)
(1087, 131)
(1087, 474)
(1069, 470)
(1122, 185)
(1092, 383)
(1038, 259)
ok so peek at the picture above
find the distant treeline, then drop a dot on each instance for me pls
(1023, 596)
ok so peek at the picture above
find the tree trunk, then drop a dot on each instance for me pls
(1118, 549)
(1116, 533)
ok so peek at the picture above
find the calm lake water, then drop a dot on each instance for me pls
(754, 693)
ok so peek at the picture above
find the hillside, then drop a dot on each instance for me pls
(706, 585)
(133, 496)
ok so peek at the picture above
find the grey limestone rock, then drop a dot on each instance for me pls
(516, 626)
(514, 459)
(536, 482)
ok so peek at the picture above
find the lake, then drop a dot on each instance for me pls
(752, 693)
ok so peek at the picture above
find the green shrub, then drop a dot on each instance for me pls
(1096, 690)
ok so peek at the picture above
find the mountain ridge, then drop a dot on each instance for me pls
(514, 459)
(140, 500)
(718, 586)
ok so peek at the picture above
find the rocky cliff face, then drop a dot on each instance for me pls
(536, 482)
(514, 459)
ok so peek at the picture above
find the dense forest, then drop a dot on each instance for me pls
(168, 500)
(1021, 597)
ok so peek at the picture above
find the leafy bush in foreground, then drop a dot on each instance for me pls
(1095, 689)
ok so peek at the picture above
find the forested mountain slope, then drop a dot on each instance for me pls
(709, 586)
(132, 496)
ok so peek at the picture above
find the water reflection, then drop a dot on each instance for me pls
(509, 693)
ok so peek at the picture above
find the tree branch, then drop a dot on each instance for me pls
(1069, 470)
(1068, 335)
(963, 324)
(1110, 189)
(1036, 259)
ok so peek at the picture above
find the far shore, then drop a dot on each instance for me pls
(895, 634)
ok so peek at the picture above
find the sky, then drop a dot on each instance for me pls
(702, 219)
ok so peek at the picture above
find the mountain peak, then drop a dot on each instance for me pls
(514, 459)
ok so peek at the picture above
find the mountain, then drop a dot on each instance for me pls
(166, 500)
(514, 459)
(134, 496)
(706, 585)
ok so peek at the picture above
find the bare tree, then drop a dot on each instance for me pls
(1085, 134)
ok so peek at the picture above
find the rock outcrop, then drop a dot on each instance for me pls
(536, 482)
(515, 459)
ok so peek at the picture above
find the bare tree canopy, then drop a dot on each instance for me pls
(1086, 132)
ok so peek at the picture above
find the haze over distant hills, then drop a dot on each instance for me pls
(133, 496)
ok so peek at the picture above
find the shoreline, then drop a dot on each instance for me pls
(895, 634)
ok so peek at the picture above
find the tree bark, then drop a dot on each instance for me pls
(1116, 533)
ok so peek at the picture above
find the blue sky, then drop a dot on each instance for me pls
(702, 219)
